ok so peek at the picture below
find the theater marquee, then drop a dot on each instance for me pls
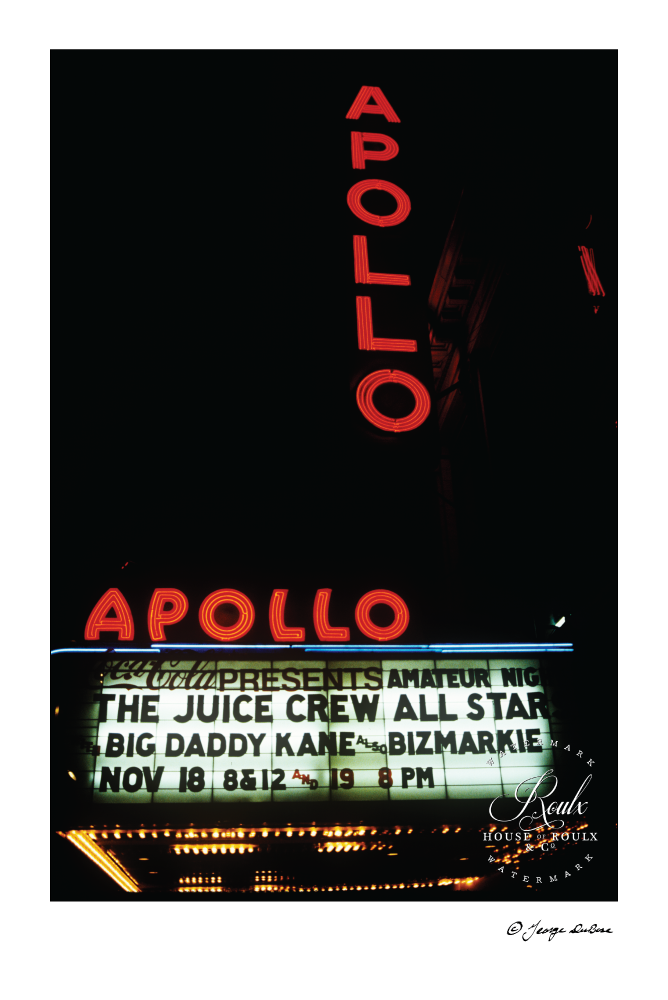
(204, 731)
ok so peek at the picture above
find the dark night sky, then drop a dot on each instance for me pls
(204, 423)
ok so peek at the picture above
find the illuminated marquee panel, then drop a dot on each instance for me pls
(310, 730)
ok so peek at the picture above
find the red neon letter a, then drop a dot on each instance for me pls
(361, 106)
(279, 630)
(98, 621)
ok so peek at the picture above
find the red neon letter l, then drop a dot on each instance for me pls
(279, 629)
(324, 630)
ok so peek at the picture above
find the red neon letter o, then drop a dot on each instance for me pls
(368, 386)
(354, 200)
(364, 623)
(236, 631)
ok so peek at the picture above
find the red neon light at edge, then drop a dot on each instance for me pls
(594, 285)
(365, 277)
(360, 154)
(279, 630)
(400, 214)
(158, 617)
(240, 628)
(365, 338)
(361, 106)
(368, 386)
(364, 623)
(98, 621)
(325, 631)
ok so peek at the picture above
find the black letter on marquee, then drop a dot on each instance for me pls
(124, 708)
(104, 698)
(115, 744)
(189, 712)
(145, 751)
(135, 773)
(213, 714)
(149, 712)
(404, 709)
(425, 774)
(213, 751)
(477, 710)
(169, 752)
(243, 745)
(195, 746)
(283, 743)
(113, 780)
(152, 782)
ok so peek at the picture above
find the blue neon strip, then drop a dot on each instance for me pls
(498, 646)
(439, 649)
(105, 649)
(471, 647)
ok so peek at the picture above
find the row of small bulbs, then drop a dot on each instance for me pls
(214, 850)
(215, 834)
(345, 847)
(339, 888)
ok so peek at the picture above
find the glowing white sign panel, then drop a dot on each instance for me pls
(221, 731)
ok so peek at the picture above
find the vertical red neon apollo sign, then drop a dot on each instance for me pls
(366, 340)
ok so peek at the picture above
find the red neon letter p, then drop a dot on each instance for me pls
(360, 154)
(158, 617)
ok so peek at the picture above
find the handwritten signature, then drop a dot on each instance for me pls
(552, 932)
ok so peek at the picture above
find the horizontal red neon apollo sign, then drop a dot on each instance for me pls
(169, 606)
